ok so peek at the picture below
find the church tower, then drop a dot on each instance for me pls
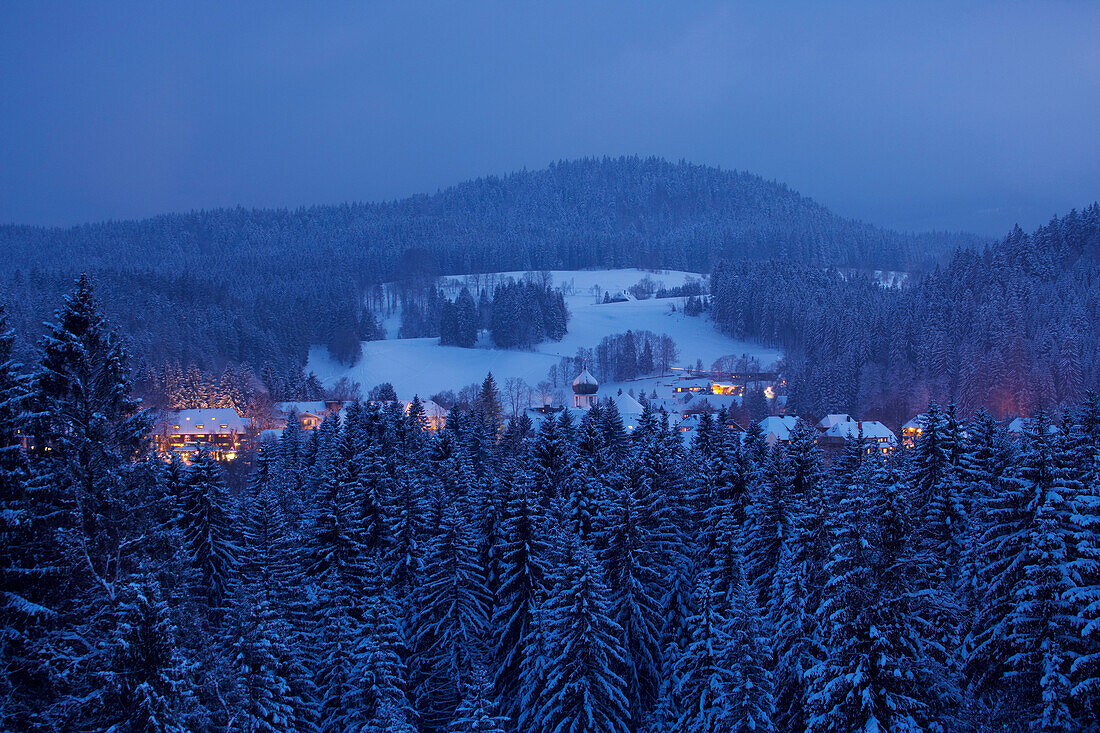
(585, 387)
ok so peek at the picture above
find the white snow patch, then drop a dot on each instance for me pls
(422, 366)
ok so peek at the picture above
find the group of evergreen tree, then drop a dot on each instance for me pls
(526, 313)
(176, 389)
(625, 356)
(376, 576)
(460, 321)
(1012, 328)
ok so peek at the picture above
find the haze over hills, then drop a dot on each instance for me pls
(261, 286)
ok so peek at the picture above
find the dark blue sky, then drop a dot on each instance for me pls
(916, 116)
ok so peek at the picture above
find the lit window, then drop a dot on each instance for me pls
(175, 427)
(223, 426)
(198, 427)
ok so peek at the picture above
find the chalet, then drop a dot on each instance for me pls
(629, 409)
(435, 414)
(183, 431)
(834, 432)
(912, 430)
(713, 403)
(1018, 428)
(311, 413)
(778, 429)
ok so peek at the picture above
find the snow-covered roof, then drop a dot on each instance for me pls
(829, 421)
(916, 423)
(432, 410)
(271, 435)
(1020, 424)
(778, 429)
(873, 431)
(627, 405)
(585, 383)
(215, 421)
(313, 407)
(717, 401)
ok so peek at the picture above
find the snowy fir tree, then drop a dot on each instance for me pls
(453, 619)
(374, 574)
(583, 691)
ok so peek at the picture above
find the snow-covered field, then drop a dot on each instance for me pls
(422, 366)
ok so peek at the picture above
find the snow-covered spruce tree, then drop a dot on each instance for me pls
(406, 556)
(272, 690)
(488, 404)
(452, 621)
(524, 558)
(586, 489)
(144, 687)
(798, 637)
(551, 460)
(28, 557)
(703, 682)
(488, 506)
(477, 713)
(612, 429)
(877, 674)
(676, 611)
(1085, 569)
(751, 697)
(629, 561)
(265, 672)
(769, 523)
(384, 678)
(333, 566)
(377, 489)
(1018, 648)
(986, 457)
(582, 691)
(940, 495)
(290, 473)
(94, 481)
(725, 520)
(664, 510)
(206, 525)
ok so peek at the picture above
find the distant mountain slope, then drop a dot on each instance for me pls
(1011, 328)
(262, 285)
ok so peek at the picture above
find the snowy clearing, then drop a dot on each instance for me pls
(421, 366)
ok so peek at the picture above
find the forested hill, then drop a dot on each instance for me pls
(261, 285)
(1011, 328)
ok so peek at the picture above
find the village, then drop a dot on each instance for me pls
(689, 397)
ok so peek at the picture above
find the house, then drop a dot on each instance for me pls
(311, 413)
(183, 431)
(912, 430)
(778, 429)
(829, 421)
(836, 430)
(714, 402)
(434, 414)
(629, 409)
(1018, 427)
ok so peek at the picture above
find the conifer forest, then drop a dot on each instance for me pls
(372, 575)
(573, 367)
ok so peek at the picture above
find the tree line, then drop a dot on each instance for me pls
(1011, 328)
(373, 576)
(260, 287)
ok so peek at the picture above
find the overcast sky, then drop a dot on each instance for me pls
(916, 116)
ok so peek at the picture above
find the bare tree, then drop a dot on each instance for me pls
(545, 392)
(515, 390)
(667, 353)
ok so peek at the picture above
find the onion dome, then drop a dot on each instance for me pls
(585, 383)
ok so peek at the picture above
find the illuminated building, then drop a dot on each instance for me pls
(183, 431)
